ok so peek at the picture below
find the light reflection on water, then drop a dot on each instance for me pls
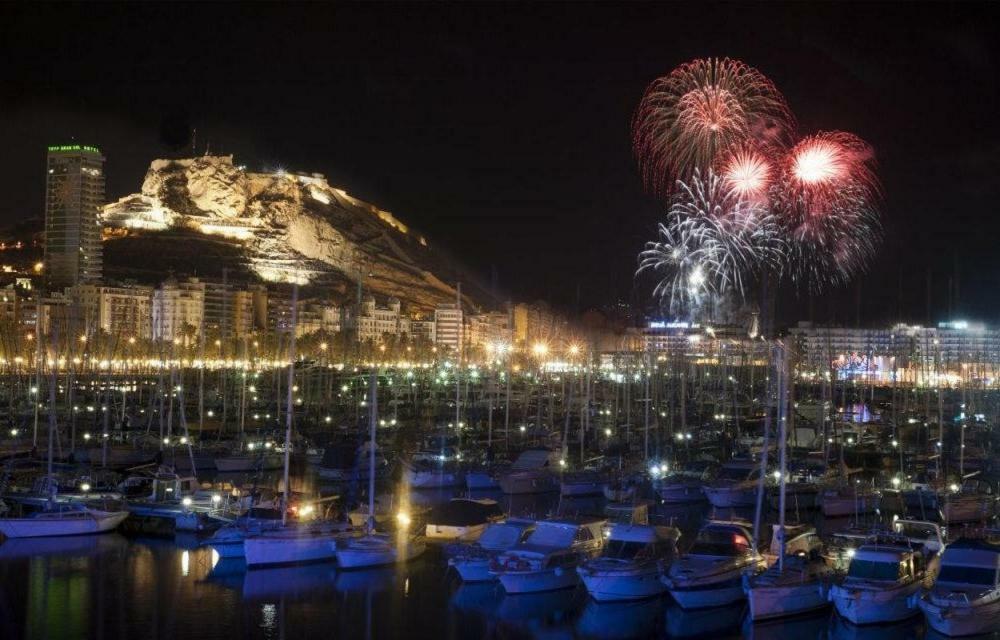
(116, 588)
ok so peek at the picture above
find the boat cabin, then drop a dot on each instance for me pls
(878, 563)
(636, 542)
(504, 535)
(969, 563)
(927, 535)
(728, 539)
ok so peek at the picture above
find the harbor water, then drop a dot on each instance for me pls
(118, 587)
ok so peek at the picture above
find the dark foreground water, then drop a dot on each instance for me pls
(118, 588)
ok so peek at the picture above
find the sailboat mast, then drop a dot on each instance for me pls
(372, 418)
(783, 410)
(288, 410)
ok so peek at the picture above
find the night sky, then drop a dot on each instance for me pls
(502, 131)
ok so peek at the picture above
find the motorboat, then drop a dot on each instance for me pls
(965, 598)
(379, 549)
(684, 485)
(629, 566)
(531, 472)
(461, 519)
(62, 519)
(794, 584)
(582, 483)
(547, 560)
(882, 576)
(734, 486)
(710, 573)
(472, 561)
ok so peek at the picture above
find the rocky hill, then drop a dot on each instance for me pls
(201, 214)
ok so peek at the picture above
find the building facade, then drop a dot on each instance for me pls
(178, 310)
(900, 353)
(74, 195)
(449, 329)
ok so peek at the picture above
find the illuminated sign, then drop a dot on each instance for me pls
(660, 324)
(72, 148)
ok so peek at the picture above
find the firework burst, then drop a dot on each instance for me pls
(700, 113)
(748, 173)
(819, 166)
(716, 136)
(713, 243)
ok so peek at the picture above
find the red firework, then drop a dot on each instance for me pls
(821, 165)
(748, 174)
(701, 113)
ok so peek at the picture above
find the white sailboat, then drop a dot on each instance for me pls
(59, 519)
(798, 580)
(62, 519)
(290, 543)
(377, 549)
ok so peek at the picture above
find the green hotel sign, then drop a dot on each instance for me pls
(73, 147)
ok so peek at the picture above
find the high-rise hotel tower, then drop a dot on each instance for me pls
(74, 194)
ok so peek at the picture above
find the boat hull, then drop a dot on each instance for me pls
(962, 619)
(862, 606)
(767, 603)
(477, 570)
(536, 581)
(280, 550)
(362, 557)
(612, 587)
(716, 594)
(53, 527)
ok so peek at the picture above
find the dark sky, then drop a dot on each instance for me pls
(503, 130)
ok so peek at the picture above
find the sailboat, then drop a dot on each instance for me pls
(59, 519)
(290, 543)
(799, 580)
(378, 549)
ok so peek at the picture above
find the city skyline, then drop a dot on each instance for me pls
(586, 178)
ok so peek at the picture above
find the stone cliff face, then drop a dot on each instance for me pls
(289, 228)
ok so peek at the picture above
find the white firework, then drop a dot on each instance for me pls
(713, 244)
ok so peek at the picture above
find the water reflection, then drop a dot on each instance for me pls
(797, 628)
(368, 580)
(720, 621)
(311, 581)
(536, 608)
(482, 598)
(78, 546)
(906, 630)
(617, 620)
(121, 588)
